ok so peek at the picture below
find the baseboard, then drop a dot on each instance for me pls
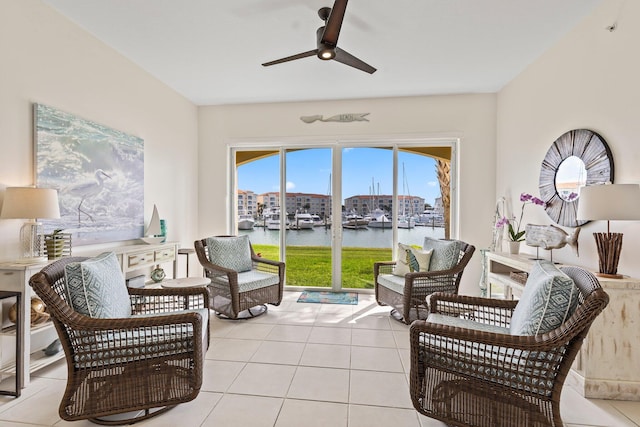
(604, 389)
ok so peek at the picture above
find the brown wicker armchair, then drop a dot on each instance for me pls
(242, 283)
(124, 370)
(480, 376)
(408, 295)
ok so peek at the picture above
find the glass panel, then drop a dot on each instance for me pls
(308, 204)
(367, 191)
(258, 199)
(420, 208)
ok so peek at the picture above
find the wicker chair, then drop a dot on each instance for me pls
(240, 294)
(124, 370)
(479, 377)
(409, 299)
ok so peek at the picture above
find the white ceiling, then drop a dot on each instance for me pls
(210, 51)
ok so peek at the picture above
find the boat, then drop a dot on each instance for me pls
(272, 220)
(430, 218)
(406, 222)
(379, 220)
(317, 221)
(246, 222)
(153, 234)
(302, 221)
(354, 221)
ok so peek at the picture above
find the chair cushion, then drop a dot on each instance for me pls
(393, 282)
(232, 252)
(411, 260)
(446, 253)
(251, 280)
(549, 298)
(96, 287)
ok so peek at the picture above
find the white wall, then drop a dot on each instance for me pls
(587, 80)
(47, 59)
(469, 117)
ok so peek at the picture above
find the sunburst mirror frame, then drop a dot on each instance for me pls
(589, 147)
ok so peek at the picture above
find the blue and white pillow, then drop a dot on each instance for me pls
(232, 252)
(549, 298)
(446, 253)
(96, 287)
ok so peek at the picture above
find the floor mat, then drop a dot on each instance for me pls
(326, 297)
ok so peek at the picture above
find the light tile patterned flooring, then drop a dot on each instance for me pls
(300, 365)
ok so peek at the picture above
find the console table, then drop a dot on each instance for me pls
(14, 276)
(608, 365)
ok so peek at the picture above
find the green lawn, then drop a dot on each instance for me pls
(311, 265)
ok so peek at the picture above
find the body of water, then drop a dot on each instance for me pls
(363, 238)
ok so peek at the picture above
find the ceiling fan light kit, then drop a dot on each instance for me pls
(327, 41)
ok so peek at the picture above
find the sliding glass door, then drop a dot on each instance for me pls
(331, 212)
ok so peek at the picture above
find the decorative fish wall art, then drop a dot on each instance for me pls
(551, 237)
(344, 118)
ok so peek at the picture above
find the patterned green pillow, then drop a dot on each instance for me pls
(232, 252)
(446, 253)
(96, 287)
(549, 298)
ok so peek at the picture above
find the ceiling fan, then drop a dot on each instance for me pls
(328, 41)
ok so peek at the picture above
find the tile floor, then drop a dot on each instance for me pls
(300, 365)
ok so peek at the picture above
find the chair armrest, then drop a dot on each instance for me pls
(104, 342)
(268, 265)
(484, 310)
(148, 301)
(383, 267)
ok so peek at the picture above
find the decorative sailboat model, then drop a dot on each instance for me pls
(153, 233)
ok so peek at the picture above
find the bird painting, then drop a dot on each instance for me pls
(87, 190)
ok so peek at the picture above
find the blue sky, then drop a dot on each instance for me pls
(308, 171)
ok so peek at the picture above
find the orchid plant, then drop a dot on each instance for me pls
(515, 234)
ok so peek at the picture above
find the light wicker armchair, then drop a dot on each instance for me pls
(408, 295)
(242, 283)
(124, 370)
(481, 377)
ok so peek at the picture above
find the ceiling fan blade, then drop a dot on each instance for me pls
(292, 57)
(334, 23)
(348, 59)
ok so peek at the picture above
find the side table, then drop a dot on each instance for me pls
(185, 282)
(187, 252)
(19, 320)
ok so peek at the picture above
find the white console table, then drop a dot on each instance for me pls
(15, 276)
(608, 365)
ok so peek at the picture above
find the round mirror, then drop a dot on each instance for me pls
(578, 157)
(570, 176)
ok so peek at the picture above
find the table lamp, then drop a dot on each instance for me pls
(609, 202)
(30, 203)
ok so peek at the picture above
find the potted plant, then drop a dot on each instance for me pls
(515, 234)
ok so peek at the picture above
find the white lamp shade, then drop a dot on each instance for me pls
(30, 203)
(610, 202)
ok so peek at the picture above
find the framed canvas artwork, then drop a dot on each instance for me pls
(99, 175)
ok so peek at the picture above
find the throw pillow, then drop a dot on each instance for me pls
(232, 252)
(446, 253)
(411, 260)
(548, 300)
(96, 287)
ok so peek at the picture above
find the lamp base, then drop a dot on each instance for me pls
(610, 276)
(609, 247)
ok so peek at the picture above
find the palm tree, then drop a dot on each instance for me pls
(443, 170)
